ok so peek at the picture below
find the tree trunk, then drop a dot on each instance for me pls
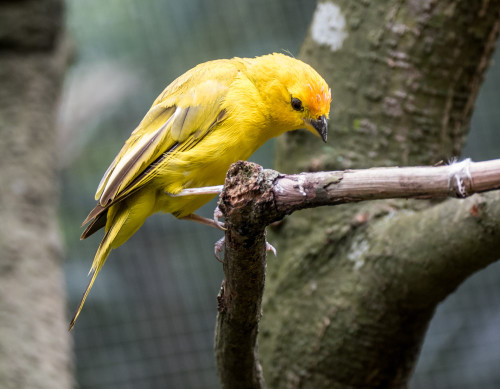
(350, 297)
(34, 342)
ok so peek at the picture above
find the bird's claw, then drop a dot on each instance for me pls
(217, 215)
(270, 247)
(220, 244)
(219, 248)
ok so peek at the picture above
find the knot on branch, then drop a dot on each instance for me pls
(247, 200)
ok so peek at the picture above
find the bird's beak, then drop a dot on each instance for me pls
(320, 125)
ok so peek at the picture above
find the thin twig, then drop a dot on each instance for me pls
(462, 179)
(198, 191)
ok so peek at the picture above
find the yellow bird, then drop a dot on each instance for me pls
(215, 114)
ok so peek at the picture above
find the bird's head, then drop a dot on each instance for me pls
(298, 95)
(310, 105)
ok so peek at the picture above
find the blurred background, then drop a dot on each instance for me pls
(149, 320)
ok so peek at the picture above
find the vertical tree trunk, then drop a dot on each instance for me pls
(349, 299)
(34, 342)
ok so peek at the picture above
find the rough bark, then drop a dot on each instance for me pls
(349, 299)
(241, 292)
(34, 343)
(293, 192)
(254, 198)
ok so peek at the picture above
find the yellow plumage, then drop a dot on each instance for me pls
(213, 115)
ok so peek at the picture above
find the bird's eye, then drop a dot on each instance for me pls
(297, 104)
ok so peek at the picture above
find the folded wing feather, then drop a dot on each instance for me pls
(181, 118)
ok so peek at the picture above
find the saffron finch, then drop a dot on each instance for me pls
(215, 114)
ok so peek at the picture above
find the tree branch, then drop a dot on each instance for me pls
(434, 250)
(253, 198)
(336, 310)
(307, 190)
(241, 292)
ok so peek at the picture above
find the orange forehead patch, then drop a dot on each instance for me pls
(319, 99)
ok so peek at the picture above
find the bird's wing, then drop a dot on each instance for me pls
(183, 113)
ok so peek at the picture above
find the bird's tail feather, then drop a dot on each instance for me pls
(101, 255)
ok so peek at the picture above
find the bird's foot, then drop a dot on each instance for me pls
(217, 215)
(220, 244)
(270, 247)
(219, 248)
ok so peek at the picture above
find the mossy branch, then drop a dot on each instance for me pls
(254, 198)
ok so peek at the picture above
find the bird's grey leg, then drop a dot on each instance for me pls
(219, 245)
(203, 220)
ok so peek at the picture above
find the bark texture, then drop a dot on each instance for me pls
(244, 266)
(34, 342)
(254, 198)
(350, 297)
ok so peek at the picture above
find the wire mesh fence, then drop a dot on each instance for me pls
(149, 321)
